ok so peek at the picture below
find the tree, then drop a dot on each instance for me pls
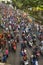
(17, 3)
(27, 3)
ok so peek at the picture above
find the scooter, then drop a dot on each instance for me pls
(26, 62)
(30, 44)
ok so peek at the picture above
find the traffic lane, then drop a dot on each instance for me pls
(41, 60)
(37, 43)
(29, 53)
(14, 58)
(11, 58)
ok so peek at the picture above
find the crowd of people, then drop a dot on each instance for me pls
(13, 23)
(9, 34)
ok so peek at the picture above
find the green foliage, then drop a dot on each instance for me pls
(36, 5)
(27, 3)
(17, 3)
(8, 2)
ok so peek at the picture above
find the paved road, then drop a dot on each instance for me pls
(37, 43)
(14, 58)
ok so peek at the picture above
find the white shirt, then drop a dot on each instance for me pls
(10, 27)
(36, 63)
(6, 29)
(42, 42)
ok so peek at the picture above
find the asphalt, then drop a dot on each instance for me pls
(14, 58)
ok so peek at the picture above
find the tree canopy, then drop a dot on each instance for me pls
(27, 3)
(36, 5)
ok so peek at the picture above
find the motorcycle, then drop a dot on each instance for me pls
(26, 62)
